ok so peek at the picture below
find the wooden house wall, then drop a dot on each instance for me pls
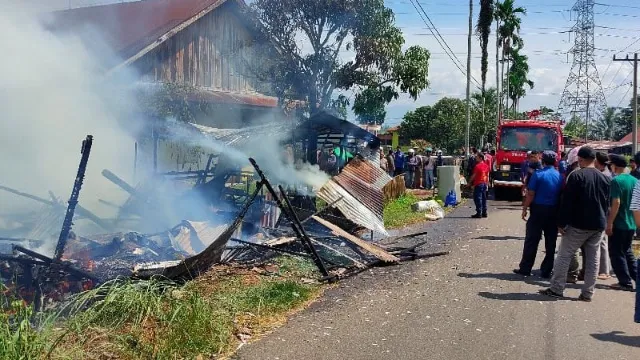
(213, 52)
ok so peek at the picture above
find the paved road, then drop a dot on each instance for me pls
(467, 305)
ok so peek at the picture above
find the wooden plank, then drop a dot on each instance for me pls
(280, 241)
(373, 249)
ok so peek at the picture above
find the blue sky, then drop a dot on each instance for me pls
(544, 30)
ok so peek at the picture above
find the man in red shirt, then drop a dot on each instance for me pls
(480, 180)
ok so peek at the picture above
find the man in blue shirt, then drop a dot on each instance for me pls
(543, 197)
(399, 160)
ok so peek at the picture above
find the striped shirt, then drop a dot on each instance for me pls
(635, 198)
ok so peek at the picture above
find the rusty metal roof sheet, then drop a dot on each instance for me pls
(233, 97)
(131, 26)
(360, 184)
(607, 145)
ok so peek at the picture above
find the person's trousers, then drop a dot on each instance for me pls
(480, 198)
(409, 176)
(542, 219)
(398, 172)
(623, 261)
(605, 265)
(571, 241)
(428, 179)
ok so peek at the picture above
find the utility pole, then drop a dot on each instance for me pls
(634, 124)
(498, 84)
(469, 75)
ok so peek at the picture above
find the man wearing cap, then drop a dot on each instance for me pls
(621, 226)
(582, 219)
(542, 198)
(412, 165)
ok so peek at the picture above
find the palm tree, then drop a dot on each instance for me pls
(518, 77)
(509, 21)
(483, 30)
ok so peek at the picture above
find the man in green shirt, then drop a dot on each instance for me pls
(621, 225)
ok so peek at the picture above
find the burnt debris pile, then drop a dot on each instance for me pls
(177, 225)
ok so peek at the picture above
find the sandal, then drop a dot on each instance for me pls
(604, 277)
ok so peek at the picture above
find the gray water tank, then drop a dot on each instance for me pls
(449, 179)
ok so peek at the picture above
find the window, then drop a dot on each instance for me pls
(528, 139)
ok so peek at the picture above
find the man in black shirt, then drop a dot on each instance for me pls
(582, 220)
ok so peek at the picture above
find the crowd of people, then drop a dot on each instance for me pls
(419, 168)
(592, 200)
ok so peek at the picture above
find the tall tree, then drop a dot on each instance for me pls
(510, 22)
(441, 124)
(483, 29)
(378, 71)
(574, 128)
(603, 127)
(484, 112)
(518, 77)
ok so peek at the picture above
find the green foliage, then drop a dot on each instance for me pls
(510, 22)
(575, 128)
(22, 335)
(169, 100)
(379, 71)
(398, 213)
(444, 123)
(483, 30)
(518, 76)
(153, 319)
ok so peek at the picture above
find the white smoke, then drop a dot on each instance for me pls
(52, 95)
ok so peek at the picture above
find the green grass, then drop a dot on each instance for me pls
(161, 320)
(398, 213)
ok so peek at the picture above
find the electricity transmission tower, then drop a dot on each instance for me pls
(583, 95)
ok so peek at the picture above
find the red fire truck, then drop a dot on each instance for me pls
(514, 139)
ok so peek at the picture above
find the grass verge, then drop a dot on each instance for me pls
(398, 213)
(154, 320)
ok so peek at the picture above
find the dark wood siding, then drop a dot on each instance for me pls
(213, 52)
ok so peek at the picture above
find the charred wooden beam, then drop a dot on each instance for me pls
(73, 199)
(267, 247)
(288, 211)
(63, 265)
(118, 181)
(81, 210)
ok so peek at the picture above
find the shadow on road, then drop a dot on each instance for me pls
(516, 296)
(506, 277)
(618, 337)
(499, 238)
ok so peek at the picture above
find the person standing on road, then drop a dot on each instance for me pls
(391, 166)
(563, 166)
(582, 220)
(429, 166)
(621, 226)
(480, 181)
(411, 165)
(635, 208)
(398, 161)
(543, 196)
(471, 161)
(602, 163)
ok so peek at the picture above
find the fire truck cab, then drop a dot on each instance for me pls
(514, 138)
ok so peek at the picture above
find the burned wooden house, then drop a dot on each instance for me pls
(202, 55)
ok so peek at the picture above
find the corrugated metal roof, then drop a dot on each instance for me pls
(360, 184)
(607, 145)
(129, 27)
(233, 97)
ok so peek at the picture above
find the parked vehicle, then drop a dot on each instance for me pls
(514, 139)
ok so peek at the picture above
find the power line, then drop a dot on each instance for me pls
(443, 43)
(618, 6)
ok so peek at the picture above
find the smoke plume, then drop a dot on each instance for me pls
(52, 95)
